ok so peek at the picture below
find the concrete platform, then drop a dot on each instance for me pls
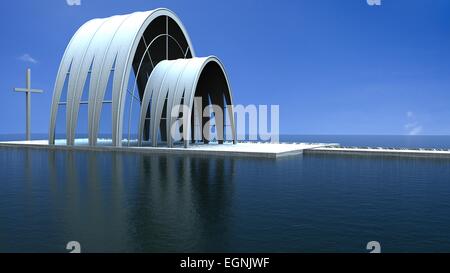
(427, 153)
(247, 149)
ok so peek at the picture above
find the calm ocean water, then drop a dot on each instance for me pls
(123, 202)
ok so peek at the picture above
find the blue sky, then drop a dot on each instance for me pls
(334, 67)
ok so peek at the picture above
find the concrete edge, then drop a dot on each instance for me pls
(393, 153)
(156, 151)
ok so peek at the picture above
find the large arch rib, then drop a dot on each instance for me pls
(98, 47)
(124, 60)
(78, 41)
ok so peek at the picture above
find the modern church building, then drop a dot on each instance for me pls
(142, 60)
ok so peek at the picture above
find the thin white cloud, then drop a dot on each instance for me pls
(412, 127)
(73, 2)
(28, 59)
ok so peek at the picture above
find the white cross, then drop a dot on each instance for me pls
(28, 92)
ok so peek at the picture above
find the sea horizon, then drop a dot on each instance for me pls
(374, 141)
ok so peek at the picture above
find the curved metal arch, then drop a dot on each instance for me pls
(186, 88)
(147, 51)
(179, 82)
(175, 99)
(86, 32)
(102, 38)
(173, 78)
(159, 98)
(153, 84)
(119, 50)
(190, 99)
(100, 74)
(120, 83)
(139, 70)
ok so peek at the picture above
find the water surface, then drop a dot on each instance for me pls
(125, 202)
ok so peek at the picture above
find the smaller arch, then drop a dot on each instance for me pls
(178, 82)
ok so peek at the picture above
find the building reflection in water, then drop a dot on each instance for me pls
(145, 203)
(114, 202)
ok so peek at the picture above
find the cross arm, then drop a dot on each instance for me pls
(28, 90)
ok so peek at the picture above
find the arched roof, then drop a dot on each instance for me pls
(97, 48)
(174, 83)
